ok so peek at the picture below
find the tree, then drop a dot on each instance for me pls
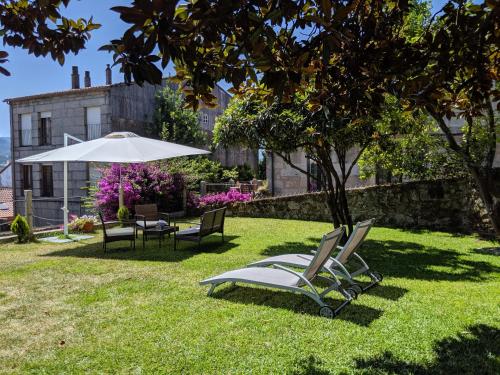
(280, 46)
(416, 151)
(38, 27)
(453, 70)
(284, 128)
(174, 123)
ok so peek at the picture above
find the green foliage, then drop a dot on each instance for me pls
(263, 44)
(174, 123)
(200, 168)
(21, 229)
(40, 28)
(245, 173)
(123, 214)
(408, 145)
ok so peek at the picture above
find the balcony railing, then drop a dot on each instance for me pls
(25, 138)
(94, 131)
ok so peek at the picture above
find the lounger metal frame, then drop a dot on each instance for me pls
(339, 269)
(311, 292)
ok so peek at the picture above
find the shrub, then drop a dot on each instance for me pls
(123, 214)
(85, 223)
(200, 168)
(223, 199)
(245, 172)
(142, 183)
(21, 228)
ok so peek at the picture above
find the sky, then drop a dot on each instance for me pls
(34, 75)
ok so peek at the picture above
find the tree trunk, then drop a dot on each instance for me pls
(487, 191)
(484, 177)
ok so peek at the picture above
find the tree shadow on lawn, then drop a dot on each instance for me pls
(354, 313)
(406, 260)
(165, 253)
(476, 351)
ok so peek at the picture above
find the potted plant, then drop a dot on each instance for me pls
(85, 224)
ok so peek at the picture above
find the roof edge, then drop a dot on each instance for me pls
(60, 93)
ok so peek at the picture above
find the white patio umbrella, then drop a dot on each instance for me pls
(119, 147)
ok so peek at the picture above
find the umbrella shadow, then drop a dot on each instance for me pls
(152, 252)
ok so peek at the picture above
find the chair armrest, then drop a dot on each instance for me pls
(299, 275)
(164, 215)
(192, 222)
(128, 223)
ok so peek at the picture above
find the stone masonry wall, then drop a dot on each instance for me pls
(437, 205)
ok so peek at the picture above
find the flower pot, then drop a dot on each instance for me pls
(88, 227)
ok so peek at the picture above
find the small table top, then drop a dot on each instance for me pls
(164, 229)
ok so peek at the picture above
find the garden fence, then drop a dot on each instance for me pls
(44, 212)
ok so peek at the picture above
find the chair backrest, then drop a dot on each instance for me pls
(207, 223)
(220, 215)
(355, 240)
(328, 244)
(149, 211)
(246, 188)
(102, 222)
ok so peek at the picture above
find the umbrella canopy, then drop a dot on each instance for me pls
(119, 147)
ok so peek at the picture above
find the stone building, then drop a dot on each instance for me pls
(285, 180)
(39, 122)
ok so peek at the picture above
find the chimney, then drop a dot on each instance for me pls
(108, 75)
(86, 79)
(75, 78)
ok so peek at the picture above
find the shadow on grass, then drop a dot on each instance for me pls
(152, 252)
(488, 251)
(475, 352)
(406, 260)
(354, 313)
(310, 366)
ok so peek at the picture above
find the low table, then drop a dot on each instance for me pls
(160, 232)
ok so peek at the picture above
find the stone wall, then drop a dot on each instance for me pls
(438, 205)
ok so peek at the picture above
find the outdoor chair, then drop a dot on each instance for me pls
(286, 279)
(117, 233)
(335, 266)
(210, 222)
(147, 217)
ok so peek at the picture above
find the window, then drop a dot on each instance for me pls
(27, 178)
(47, 188)
(25, 129)
(204, 120)
(44, 129)
(93, 122)
(314, 177)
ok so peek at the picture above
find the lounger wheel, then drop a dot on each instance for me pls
(352, 292)
(377, 276)
(357, 288)
(327, 312)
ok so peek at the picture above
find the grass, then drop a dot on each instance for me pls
(73, 309)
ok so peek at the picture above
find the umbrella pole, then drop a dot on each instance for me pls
(65, 184)
(65, 207)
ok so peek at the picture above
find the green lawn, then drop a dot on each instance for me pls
(73, 309)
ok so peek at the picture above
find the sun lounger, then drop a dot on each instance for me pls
(334, 265)
(286, 279)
